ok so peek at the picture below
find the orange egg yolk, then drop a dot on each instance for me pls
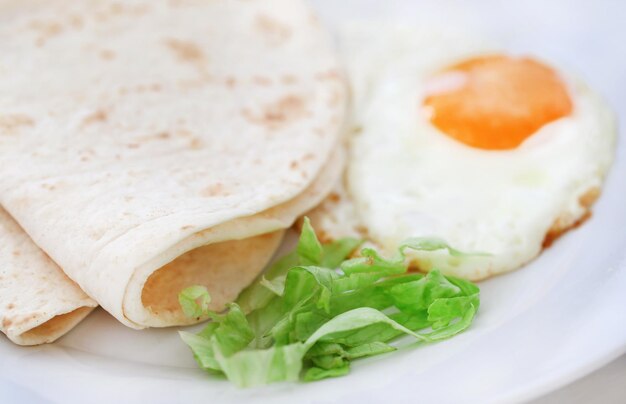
(500, 103)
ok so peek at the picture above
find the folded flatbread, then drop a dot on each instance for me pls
(38, 302)
(147, 146)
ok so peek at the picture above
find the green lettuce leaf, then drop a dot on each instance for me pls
(315, 311)
(334, 253)
(309, 251)
(369, 349)
(258, 295)
(194, 301)
(309, 248)
(314, 374)
(434, 244)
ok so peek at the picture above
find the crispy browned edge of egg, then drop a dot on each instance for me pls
(564, 223)
(561, 225)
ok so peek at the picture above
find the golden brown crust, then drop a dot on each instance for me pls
(566, 222)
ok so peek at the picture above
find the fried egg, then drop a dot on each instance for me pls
(491, 151)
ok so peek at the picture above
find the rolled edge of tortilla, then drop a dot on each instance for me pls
(38, 302)
(225, 258)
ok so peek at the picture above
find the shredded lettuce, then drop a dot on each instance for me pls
(194, 301)
(316, 310)
(308, 252)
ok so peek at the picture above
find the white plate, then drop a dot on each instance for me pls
(538, 328)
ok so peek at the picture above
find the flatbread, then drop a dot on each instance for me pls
(225, 258)
(38, 302)
(134, 132)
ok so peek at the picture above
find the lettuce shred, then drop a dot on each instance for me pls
(316, 310)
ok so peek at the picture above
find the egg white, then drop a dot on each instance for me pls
(405, 178)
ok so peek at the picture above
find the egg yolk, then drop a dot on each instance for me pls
(500, 103)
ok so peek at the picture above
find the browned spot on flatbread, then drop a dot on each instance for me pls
(195, 143)
(16, 253)
(97, 116)
(25, 319)
(45, 30)
(293, 165)
(87, 154)
(230, 82)
(75, 21)
(10, 306)
(187, 227)
(217, 189)
(362, 230)
(331, 74)
(101, 16)
(116, 8)
(140, 10)
(11, 123)
(562, 224)
(334, 197)
(185, 51)
(262, 81)
(107, 54)
(121, 8)
(286, 110)
(157, 136)
(6, 323)
(288, 79)
(276, 32)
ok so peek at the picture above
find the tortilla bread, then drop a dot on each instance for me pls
(38, 303)
(132, 133)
